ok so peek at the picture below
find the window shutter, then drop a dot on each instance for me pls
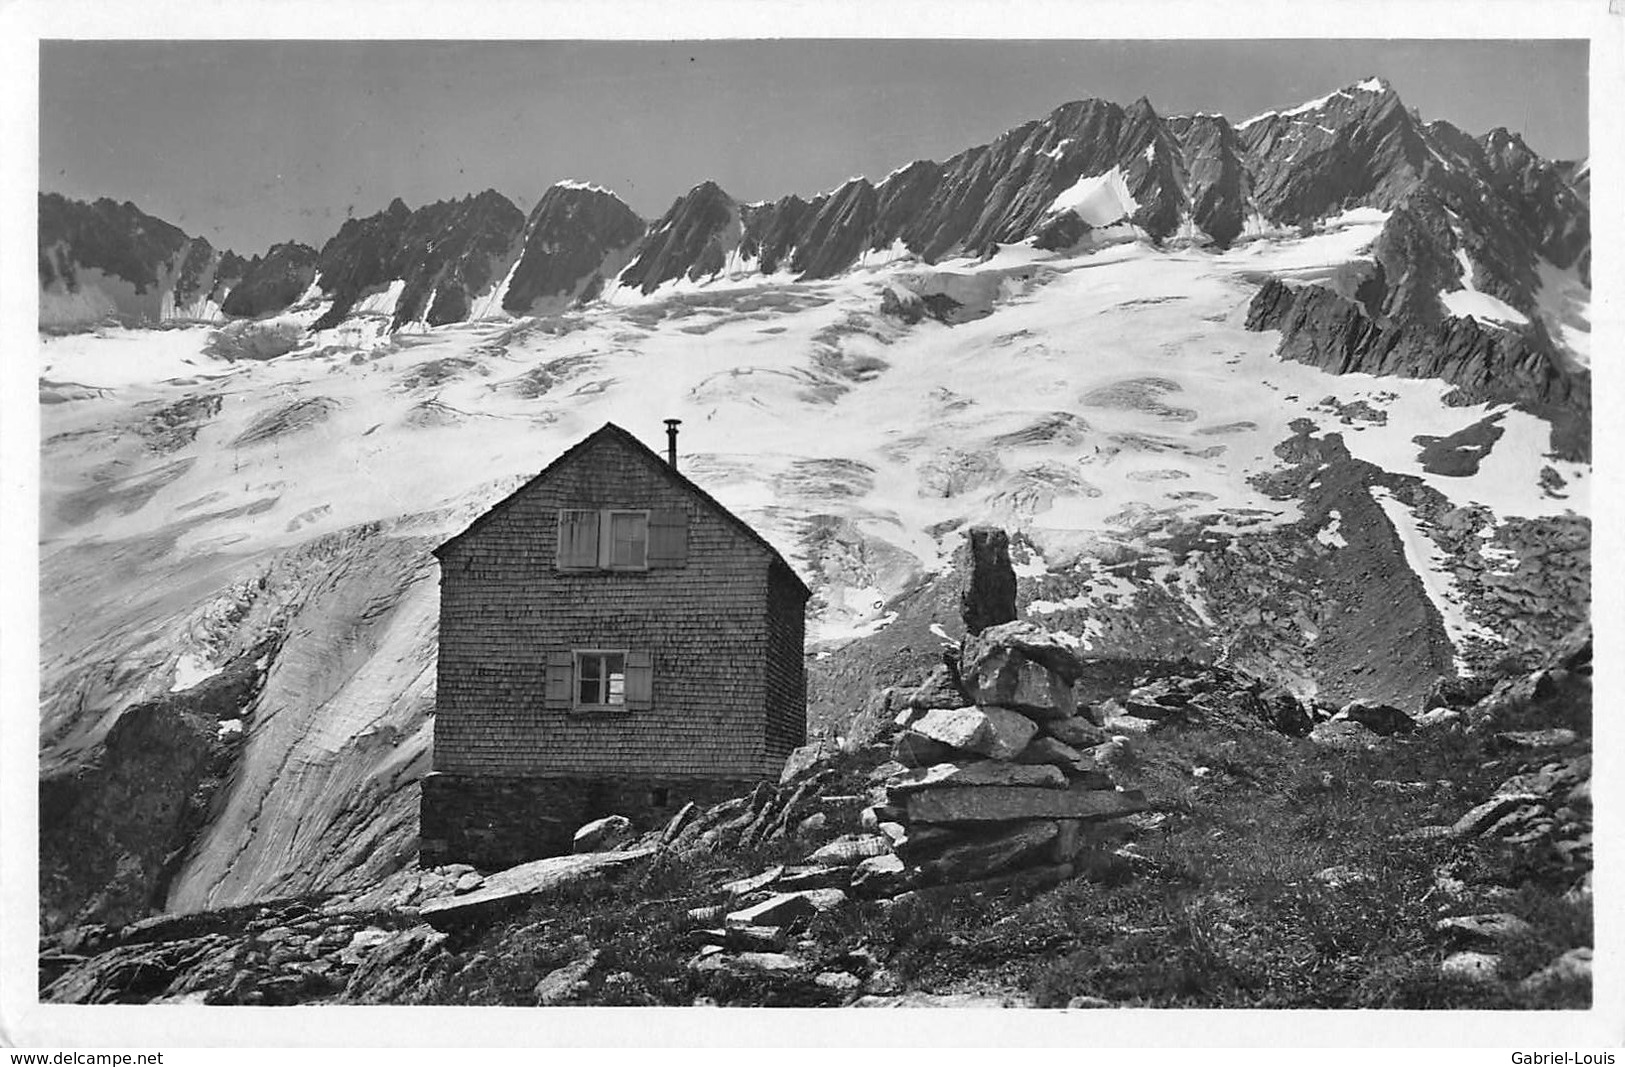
(640, 671)
(578, 540)
(560, 679)
(668, 538)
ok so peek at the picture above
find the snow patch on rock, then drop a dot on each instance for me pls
(1432, 565)
(1098, 199)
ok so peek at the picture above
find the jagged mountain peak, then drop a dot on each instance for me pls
(1372, 92)
(577, 185)
(577, 237)
(693, 239)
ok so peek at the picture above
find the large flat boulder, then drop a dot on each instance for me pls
(979, 773)
(993, 732)
(782, 909)
(1004, 803)
(516, 883)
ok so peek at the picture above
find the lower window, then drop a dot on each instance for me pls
(600, 679)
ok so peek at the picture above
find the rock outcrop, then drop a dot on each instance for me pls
(445, 255)
(106, 260)
(576, 238)
(692, 240)
(272, 282)
(1486, 364)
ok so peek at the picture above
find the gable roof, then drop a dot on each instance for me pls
(612, 432)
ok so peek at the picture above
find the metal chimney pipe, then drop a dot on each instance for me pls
(671, 441)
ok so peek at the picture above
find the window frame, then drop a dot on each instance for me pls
(577, 656)
(604, 556)
(606, 539)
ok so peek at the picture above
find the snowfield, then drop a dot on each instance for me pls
(1100, 386)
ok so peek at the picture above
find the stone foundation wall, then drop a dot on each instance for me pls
(493, 822)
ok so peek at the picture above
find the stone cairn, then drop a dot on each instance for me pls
(995, 770)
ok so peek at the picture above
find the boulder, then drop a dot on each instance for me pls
(511, 887)
(603, 835)
(1072, 763)
(916, 750)
(1487, 814)
(804, 759)
(814, 877)
(1032, 641)
(751, 883)
(1078, 732)
(1343, 734)
(850, 848)
(559, 985)
(883, 771)
(1285, 713)
(760, 963)
(1476, 967)
(837, 981)
(1005, 678)
(876, 815)
(978, 773)
(941, 689)
(990, 595)
(397, 966)
(922, 839)
(750, 938)
(1084, 1001)
(972, 860)
(1556, 737)
(782, 909)
(993, 732)
(1496, 926)
(1565, 780)
(812, 824)
(1572, 966)
(880, 876)
(1452, 692)
(678, 822)
(1004, 803)
(1381, 719)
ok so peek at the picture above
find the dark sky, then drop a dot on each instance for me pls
(252, 142)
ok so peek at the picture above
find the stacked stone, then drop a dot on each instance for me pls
(995, 770)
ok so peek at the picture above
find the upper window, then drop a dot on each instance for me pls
(603, 539)
(628, 540)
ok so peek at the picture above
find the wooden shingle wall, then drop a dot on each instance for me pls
(786, 663)
(504, 606)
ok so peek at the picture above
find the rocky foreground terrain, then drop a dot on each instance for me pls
(981, 849)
